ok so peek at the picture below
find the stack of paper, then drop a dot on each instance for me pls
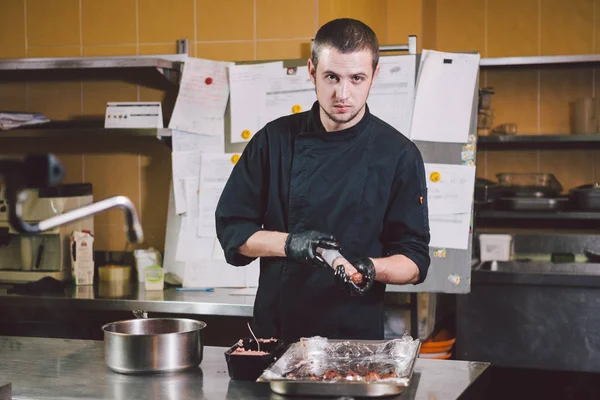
(200, 169)
(11, 120)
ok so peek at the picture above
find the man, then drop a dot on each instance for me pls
(334, 174)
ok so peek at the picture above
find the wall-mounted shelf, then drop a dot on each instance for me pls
(86, 133)
(561, 220)
(171, 62)
(539, 60)
(540, 215)
(537, 141)
(83, 140)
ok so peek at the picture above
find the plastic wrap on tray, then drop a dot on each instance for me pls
(319, 359)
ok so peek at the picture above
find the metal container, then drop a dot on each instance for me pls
(311, 362)
(153, 345)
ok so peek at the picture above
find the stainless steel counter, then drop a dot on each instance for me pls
(40, 368)
(222, 302)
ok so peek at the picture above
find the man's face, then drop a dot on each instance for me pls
(342, 82)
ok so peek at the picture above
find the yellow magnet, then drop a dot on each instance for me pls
(435, 176)
(246, 134)
(235, 158)
(296, 109)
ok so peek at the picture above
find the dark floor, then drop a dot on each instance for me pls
(517, 384)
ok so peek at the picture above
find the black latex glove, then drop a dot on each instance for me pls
(303, 247)
(366, 268)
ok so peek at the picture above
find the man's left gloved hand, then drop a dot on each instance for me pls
(363, 266)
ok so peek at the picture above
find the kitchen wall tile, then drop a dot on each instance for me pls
(225, 20)
(108, 51)
(97, 93)
(596, 26)
(429, 37)
(403, 18)
(226, 51)
(511, 161)
(13, 96)
(371, 12)
(516, 98)
(277, 19)
(12, 24)
(108, 21)
(282, 49)
(12, 52)
(461, 25)
(113, 175)
(570, 167)
(110, 237)
(56, 100)
(154, 236)
(53, 23)
(567, 29)
(156, 183)
(166, 48)
(166, 21)
(481, 167)
(59, 51)
(513, 28)
(73, 166)
(558, 87)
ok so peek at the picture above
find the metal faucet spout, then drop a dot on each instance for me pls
(135, 233)
(46, 171)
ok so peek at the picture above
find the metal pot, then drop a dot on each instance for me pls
(150, 345)
(586, 197)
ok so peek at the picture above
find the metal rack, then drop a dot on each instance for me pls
(539, 60)
(584, 141)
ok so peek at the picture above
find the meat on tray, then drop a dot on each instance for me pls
(335, 375)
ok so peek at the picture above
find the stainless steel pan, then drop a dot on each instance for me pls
(151, 345)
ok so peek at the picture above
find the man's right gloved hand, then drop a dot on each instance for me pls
(303, 247)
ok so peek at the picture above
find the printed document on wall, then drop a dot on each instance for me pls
(450, 231)
(214, 173)
(392, 94)
(213, 271)
(445, 95)
(202, 98)
(187, 148)
(185, 141)
(290, 91)
(248, 90)
(449, 188)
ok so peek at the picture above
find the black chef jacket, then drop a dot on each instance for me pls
(365, 185)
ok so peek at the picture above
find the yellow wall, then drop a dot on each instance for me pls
(217, 29)
(536, 99)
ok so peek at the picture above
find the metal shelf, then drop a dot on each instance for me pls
(539, 215)
(540, 60)
(72, 140)
(538, 141)
(170, 62)
(86, 133)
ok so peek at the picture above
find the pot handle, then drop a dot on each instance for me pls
(140, 314)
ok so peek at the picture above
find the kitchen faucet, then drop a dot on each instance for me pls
(39, 171)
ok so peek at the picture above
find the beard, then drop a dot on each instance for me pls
(344, 120)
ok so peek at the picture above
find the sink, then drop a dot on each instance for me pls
(532, 267)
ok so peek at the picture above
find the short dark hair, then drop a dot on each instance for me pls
(346, 35)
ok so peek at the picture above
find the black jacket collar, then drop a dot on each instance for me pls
(315, 126)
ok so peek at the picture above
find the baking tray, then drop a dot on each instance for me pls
(301, 369)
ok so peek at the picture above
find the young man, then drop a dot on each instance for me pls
(334, 174)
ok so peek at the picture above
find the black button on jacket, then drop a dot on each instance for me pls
(365, 185)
